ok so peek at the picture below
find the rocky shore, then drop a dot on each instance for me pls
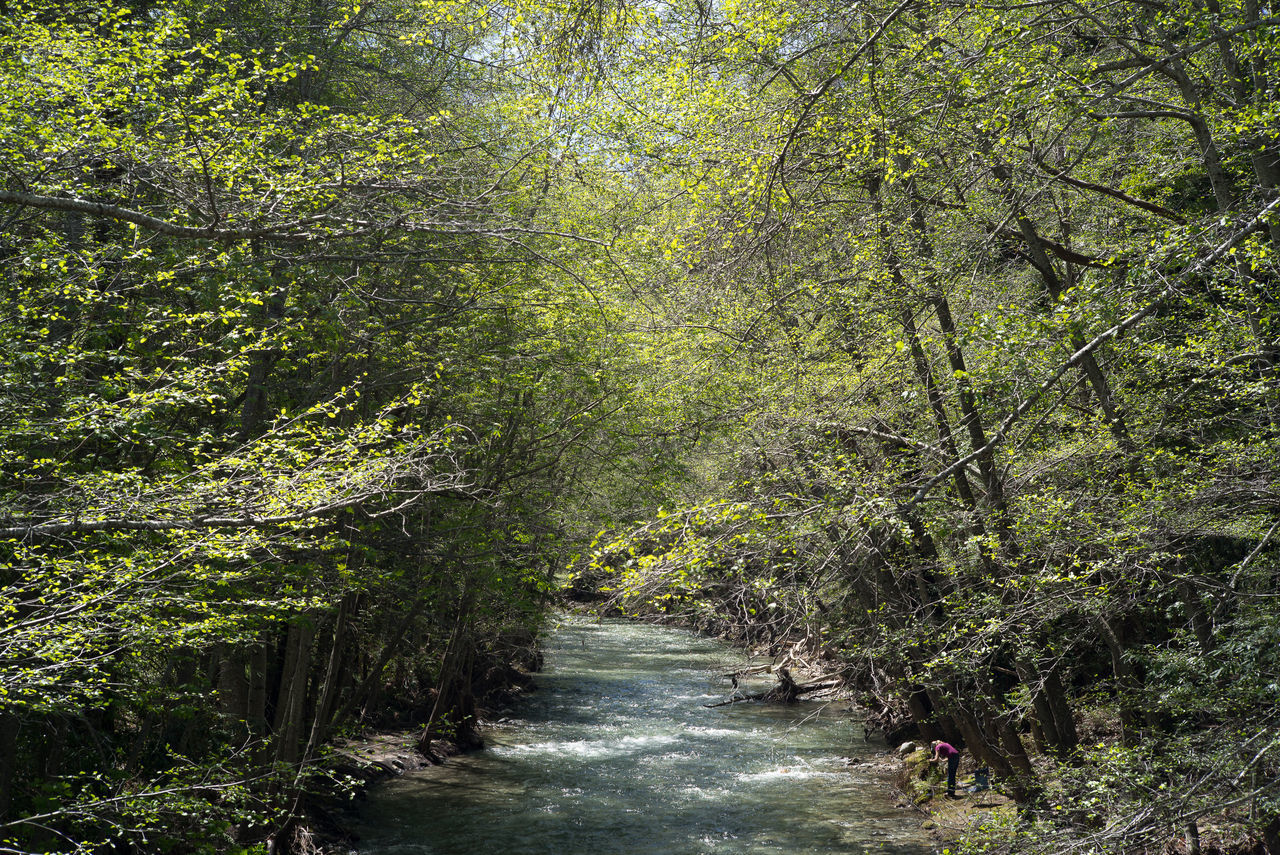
(921, 784)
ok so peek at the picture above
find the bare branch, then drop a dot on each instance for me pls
(304, 230)
(155, 224)
(1112, 192)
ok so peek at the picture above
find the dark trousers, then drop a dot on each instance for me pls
(953, 763)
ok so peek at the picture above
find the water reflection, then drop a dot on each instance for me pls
(617, 753)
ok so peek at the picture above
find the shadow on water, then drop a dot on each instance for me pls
(616, 753)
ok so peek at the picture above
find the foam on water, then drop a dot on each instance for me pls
(592, 749)
(617, 753)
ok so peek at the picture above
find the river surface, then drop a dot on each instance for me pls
(616, 753)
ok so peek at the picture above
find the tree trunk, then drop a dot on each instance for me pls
(1053, 712)
(1014, 749)
(291, 706)
(1126, 682)
(1053, 285)
(979, 746)
(446, 712)
(970, 419)
(233, 684)
(254, 406)
(1045, 721)
(332, 678)
(1063, 717)
(1192, 834)
(1200, 621)
(257, 698)
(1271, 836)
(9, 727)
(923, 370)
(923, 717)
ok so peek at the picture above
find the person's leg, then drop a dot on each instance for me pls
(953, 763)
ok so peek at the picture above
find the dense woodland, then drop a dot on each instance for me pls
(937, 338)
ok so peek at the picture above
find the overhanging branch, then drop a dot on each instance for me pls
(211, 522)
(304, 230)
(146, 221)
(1076, 358)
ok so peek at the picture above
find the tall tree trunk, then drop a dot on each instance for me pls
(291, 706)
(332, 677)
(256, 701)
(976, 742)
(1053, 712)
(254, 406)
(1201, 623)
(449, 713)
(1192, 836)
(1063, 718)
(924, 371)
(10, 724)
(1014, 748)
(1053, 283)
(970, 419)
(233, 683)
(922, 716)
(1045, 720)
(1126, 681)
(1271, 836)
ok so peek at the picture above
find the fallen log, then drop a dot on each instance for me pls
(786, 691)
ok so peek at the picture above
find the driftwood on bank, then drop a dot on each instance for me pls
(786, 691)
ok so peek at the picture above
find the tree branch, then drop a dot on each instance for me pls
(155, 224)
(1076, 358)
(1063, 252)
(293, 232)
(1112, 192)
(203, 522)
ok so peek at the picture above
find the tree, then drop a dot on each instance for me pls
(976, 243)
(292, 390)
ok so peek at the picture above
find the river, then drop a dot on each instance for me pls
(616, 753)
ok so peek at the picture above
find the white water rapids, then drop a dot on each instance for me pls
(616, 753)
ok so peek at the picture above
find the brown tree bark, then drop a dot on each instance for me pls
(256, 702)
(1045, 721)
(233, 682)
(320, 719)
(1055, 287)
(1271, 836)
(922, 716)
(1055, 695)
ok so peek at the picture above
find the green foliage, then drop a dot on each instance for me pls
(943, 335)
(993, 288)
(297, 377)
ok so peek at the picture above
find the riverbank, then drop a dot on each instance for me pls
(919, 785)
(358, 765)
(352, 768)
(622, 749)
(354, 764)
(380, 756)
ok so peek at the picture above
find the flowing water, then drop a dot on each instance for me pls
(616, 753)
